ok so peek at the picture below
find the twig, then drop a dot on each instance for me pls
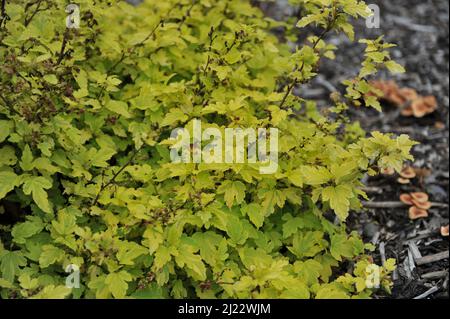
(112, 180)
(372, 190)
(3, 15)
(427, 293)
(289, 89)
(435, 274)
(131, 50)
(382, 253)
(432, 258)
(411, 263)
(188, 14)
(9, 105)
(414, 250)
(407, 267)
(28, 19)
(423, 235)
(397, 205)
(375, 237)
(63, 47)
(296, 81)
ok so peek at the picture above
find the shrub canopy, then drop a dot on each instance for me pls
(85, 172)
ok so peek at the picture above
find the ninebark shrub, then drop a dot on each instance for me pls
(85, 172)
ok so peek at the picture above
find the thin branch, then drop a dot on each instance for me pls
(63, 46)
(3, 15)
(429, 292)
(112, 180)
(131, 50)
(435, 274)
(188, 14)
(432, 258)
(296, 81)
(28, 19)
(9, 105)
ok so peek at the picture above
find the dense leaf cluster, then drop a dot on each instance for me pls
(85, 172)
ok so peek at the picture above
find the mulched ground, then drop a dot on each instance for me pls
(421, 31)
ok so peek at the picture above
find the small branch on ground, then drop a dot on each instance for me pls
(432, 258)
(380, 205)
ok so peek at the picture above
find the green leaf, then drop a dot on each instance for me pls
(8, 181)
(162, 257)
(50, 255)
(234, 192)
(11, 261)
(303, 22)
(341, 246)
(5, 129)
(394, 67)
(51, 78)
(296, 177)
(307, 244)
(36, 186)
(327, 292)
(5, 284)
(118, 107)
(22, 231)
(236, 231)
(53, 292)
(309, 271)
(118, 283)
(192, 263)
(339, 199)
(174, 116)
(65, 224)
(7, 156)
(316, 175)
(128, 252)
(27, 159)
(256, 214)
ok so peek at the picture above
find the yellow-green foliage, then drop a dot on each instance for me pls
(85, 117)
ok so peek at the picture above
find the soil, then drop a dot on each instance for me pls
(421, 31)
